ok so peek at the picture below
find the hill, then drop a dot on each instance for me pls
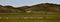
(44, 7)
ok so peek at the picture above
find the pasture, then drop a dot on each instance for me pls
(29, 17)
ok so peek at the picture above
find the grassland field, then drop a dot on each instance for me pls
(29, 17)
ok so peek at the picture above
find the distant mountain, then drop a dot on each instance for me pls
(44, 7)
(7, 9)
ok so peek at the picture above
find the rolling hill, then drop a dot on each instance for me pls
(43, 7)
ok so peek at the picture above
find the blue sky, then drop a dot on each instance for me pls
(16, 3)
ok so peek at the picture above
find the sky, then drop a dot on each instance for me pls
(17, 3)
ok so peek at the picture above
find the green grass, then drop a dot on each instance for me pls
(53, 17)
(28, 20)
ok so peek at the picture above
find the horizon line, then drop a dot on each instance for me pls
(32, 5)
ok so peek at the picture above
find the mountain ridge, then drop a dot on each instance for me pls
(48, 7)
